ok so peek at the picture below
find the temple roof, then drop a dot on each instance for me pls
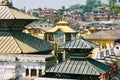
(79, 43)
(108, 34)
(64, 29)
(62, 25)
(7, 11)
(85, 66)
(62, 21)
(19, 42)
(12, 13)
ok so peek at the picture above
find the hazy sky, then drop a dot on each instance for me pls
(56, 4)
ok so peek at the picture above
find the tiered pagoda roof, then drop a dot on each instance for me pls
(18, 42)
(79, 63)
(79, 44)
(12, 39)
(83, 66)
(7, 11)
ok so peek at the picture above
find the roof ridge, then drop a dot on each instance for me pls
(92, 66)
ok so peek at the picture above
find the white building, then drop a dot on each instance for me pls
(21, 65)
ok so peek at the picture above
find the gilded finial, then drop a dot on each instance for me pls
(5, 3)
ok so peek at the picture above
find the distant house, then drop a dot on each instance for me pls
(38, 30)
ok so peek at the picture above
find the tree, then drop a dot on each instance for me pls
(35, 14)
(76, 6)
(90, 4)
(114, 6)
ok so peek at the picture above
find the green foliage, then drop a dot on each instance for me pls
(55, 21)
(91, 4)
(61, 12)
(35, 14)
(43, 20)
(113, 7)
(76, 6)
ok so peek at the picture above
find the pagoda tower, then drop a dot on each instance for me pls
(79, 66)
(12, 39)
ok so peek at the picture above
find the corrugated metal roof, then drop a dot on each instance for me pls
(7, 12)
(108, 34)
(79, 44)
(85, 66)
(18, 42)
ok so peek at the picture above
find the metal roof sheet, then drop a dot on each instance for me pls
(79, 44)
(18, 42)
(7, 12)
(86, 66)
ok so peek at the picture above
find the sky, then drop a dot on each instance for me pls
(55, 4)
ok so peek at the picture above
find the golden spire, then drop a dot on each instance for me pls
(5, 3)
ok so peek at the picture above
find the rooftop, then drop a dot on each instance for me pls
(79, 43)
(85, 66)
(62, 25)
(107, 34)
(18, 42)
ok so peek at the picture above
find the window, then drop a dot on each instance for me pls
(59, 37)
(68, 37)
(101, 54)
(40, 72)
(27, 72)
(107, 53)
(33, 72)
(51, 38)
(117, 47)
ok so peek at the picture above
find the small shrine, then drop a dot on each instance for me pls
(60, 34)
(79, 66)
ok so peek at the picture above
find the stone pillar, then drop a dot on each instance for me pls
(64, 55)
(64, 37)
(37, 72)
(47, 37)
(29, 72)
